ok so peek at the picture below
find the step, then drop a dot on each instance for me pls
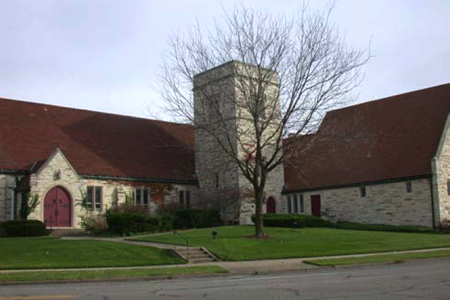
(197, 256)
(180, 248)
(191, 252)
(201, 260)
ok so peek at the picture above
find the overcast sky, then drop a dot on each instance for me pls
(105, 55)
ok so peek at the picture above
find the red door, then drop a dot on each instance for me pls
(271, 207)
(57, 208)
(315, 205)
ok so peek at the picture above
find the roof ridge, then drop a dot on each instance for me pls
(390, 97)
(91, 111)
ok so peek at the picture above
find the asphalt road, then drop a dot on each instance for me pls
(418, 280)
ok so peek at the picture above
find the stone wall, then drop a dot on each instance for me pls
(388, 203)
(7, 185)
(441, 176)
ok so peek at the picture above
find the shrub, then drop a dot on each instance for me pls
(197, 218)
(288, 220)
(21, 228)
(381, 227)
(167, 223)
(131, 208)
(126, 223)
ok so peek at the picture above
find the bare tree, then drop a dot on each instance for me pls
(291, 71)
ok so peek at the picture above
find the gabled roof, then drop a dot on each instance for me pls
(95, 144)
(387, 139)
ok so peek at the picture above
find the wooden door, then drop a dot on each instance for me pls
(57, 208)
(271, 207)
(315, 205)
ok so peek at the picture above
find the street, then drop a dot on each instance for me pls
(428, 279)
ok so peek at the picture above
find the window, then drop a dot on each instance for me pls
(302, 206)
(296, 204)
(362, 191)
(94, 198)
(289, 204)
(185, 199)
(409, 188)
(141, 196)
(217, 180)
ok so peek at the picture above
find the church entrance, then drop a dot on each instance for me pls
(58, 208)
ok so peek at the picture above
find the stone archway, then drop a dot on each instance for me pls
(58, 208)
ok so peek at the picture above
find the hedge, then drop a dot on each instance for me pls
(23, 228)
(289, 220)
(197, 218)
(126, 223)
(381, 227)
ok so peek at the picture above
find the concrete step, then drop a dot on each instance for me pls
(191, 252)
(195, 256)
(201, 260)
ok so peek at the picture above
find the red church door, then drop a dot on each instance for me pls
(315, 205)
(271, 207)
(57, 208)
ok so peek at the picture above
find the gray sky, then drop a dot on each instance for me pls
(105, 55)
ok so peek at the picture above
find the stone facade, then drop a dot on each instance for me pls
(222, 121)
(114, 192)
(441, 176)
(387, 203)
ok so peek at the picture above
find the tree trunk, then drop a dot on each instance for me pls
(259, 227)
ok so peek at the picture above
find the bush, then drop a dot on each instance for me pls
(126, 223)
(381, 227)
(22, 228)
(288, 220)
(197, 218)
(131, 208)
(167, 223)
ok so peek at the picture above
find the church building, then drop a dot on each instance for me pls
(388, 163)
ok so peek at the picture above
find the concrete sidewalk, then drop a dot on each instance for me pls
(234, 268)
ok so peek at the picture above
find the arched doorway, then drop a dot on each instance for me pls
(58, 208)
(271, 206)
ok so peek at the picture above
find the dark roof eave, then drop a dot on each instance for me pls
(14, 172)
(173, 181)
(392, 180)
(105, 177)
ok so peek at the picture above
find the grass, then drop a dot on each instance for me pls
(103, 274)
(234, 243)
(46, 252)
(400, 257)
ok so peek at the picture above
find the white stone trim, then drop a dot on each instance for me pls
(50, 158)
(443, 138)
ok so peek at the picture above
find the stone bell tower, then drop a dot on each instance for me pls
(222, 127)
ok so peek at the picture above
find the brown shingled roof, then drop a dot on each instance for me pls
(95, 143)
(391, 138)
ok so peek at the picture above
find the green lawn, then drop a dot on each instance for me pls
(102, 274)
(400, 257)
(234, 242)
(31, 253)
